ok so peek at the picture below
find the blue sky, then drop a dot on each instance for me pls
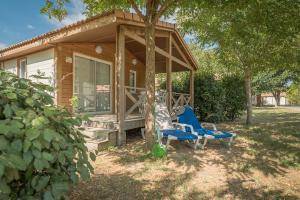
(21, 19)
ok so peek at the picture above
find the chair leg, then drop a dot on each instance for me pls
(196, 144)
(204, 143)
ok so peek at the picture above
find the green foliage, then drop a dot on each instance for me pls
(255, 34)
(74, 103)
(294, 93)
(216, 98)
(272, 81)
(55, 8)
(235, 99)
(209, 98)
(42, 153)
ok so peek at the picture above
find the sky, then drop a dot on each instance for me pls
(21, 19)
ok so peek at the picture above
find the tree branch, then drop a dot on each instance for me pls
(137, 10)
(163, 9)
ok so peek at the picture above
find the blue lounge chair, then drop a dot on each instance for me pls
(173, 131)
(187, 116)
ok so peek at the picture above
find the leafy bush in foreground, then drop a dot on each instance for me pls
(42, 153)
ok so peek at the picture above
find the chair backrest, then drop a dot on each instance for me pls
(188, 117)
(163, 119)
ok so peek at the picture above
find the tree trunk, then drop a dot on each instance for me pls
(248, 95)
(277, 98)
(258, 100)
(150, 84)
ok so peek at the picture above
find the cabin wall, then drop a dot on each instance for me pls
(11, 65)
(65, 69)
(42, 62)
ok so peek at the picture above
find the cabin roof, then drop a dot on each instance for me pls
(47, 40)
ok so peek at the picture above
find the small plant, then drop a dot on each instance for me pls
(158, 151)
(42, 152)
(74, 103)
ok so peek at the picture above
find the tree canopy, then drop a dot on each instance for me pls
(248, 35)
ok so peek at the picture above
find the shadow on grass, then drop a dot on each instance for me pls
(124, 186)
(239, 189)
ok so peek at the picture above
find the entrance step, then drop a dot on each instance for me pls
(99, 136)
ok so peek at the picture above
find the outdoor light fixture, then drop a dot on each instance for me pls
(98, 49)
(134, 61)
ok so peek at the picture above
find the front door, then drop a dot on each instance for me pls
(92, 84)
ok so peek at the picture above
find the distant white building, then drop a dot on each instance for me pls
(267, 99)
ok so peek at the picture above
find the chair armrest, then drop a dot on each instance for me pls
(210, 124)
(183, 126)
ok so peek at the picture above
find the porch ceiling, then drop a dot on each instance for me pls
(139, 51)
(102, 34)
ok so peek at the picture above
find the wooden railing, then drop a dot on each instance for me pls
(135, 101)
(136, 98)
(180, 99)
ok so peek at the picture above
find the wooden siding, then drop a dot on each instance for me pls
(65, 70)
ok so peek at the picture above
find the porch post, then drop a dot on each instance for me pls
(192, 89)
(169, 75)
(120, 73)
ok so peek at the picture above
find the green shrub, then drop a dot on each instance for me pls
(215, 100)
(209, 98)
(42, 153)
(235, 97)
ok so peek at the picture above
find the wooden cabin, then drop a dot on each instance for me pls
(101, 61)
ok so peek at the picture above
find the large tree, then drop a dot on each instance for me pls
(150, 11)
(249, 36)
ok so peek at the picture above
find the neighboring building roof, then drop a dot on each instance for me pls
(45, 40)
(282, 94)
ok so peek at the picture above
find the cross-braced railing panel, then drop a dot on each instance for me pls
(136, 98)
(135, 101)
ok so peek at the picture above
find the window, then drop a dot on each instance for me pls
(92, 84)
(132, 81)
(22, 69)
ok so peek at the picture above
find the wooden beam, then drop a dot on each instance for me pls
(120, 77)
(179, 50)
(192, 89)
(180, 62)
(141, 40)
(169, 75)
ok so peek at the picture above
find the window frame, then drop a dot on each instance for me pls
(111, 81)
(132, 88)
(19, 67)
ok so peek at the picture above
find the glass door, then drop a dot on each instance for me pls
(103, 87)
(92, 85)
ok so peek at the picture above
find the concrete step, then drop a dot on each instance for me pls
(98, 136)
(102, 124)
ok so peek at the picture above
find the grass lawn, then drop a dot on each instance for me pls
(263, 163)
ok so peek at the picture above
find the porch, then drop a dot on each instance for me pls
(135, 111)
